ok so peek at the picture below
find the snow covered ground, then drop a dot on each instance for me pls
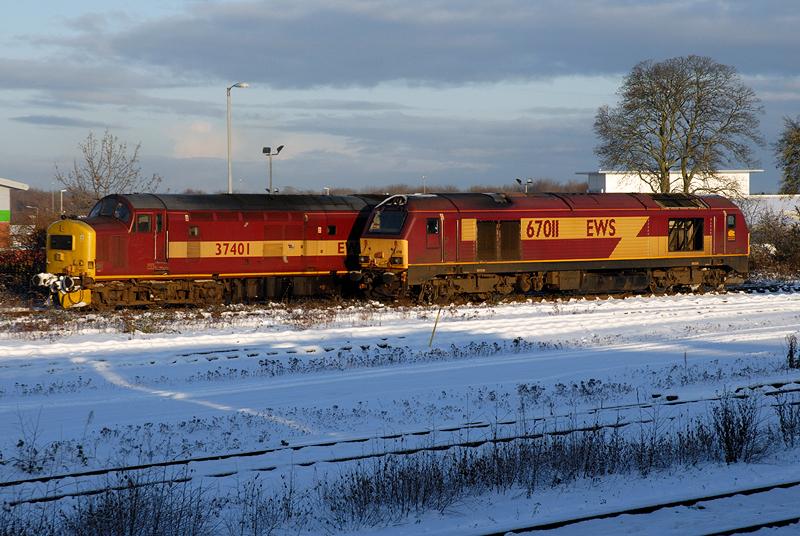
(311, 386)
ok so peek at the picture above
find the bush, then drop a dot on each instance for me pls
(17, 267)
(775, 240)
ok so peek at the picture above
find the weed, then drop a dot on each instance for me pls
(735, 422)
(788, 412)
(791, 351)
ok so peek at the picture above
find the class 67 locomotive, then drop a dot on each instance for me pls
(146, 249)
(440, 246)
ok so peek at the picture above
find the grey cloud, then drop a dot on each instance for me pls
(59, 75)
(49, 102)
(341, 104)
(394, 147)
(69, 85)
(559, 110)
(59, 121)
(362, 44)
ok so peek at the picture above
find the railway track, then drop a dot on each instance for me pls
(303, 455)
(749, 288)
(698, 502)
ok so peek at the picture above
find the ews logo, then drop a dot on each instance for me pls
(602, 227)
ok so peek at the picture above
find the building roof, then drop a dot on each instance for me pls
(8, 183)
(625, 172)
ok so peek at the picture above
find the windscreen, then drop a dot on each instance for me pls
(61, 242)
(111, 207)
(388, 220)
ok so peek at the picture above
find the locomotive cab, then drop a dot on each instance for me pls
(71, 268)
(71, 251)
(384, 244)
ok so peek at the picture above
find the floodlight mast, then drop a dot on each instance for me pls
(228, 98)
(268, 151)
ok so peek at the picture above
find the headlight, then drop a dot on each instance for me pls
(396, 260)
(363, 259)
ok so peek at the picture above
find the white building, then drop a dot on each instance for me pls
(729, 182)
(735, 183)
(6, 185)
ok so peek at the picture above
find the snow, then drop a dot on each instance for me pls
(147, 386)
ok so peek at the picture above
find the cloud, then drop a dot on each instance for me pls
(341, 104)
(357, 43)
(59, 121)
(60, 75)
(559, 110)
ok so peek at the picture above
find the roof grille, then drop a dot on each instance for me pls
(500, 199)
(677, 200)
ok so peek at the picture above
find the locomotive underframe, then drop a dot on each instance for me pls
(203, 292)
(433, 282)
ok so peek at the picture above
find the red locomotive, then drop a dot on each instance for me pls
(438, 246)
(141, 249)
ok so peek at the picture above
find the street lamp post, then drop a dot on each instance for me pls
(268, 151)
(228, 96)
(61, 200)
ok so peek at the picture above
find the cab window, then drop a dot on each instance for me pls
(731, 221)
(432, 226)
(387, 221)
(143, 223)
(122, 213)
(61, 242)
(104, 207)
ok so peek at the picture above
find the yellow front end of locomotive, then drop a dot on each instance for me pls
(386, 253)
(71, 246)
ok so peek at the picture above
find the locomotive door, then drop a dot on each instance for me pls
(160, 242)
(449, 238)
(433, 234)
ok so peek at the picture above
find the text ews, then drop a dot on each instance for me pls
(602, 227)
(569, 228)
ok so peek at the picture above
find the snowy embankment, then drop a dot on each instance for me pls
(353, 382)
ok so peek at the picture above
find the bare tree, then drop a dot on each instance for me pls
(106, 167)
(787, 152)
(689, 114)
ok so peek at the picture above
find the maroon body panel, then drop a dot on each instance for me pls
(188, 236)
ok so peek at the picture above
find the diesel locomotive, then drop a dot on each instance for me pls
(438, 246)
(143, 249)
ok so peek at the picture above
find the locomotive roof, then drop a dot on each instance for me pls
(250, 201)
(556, 201)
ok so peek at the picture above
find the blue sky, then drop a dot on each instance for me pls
(360, 92)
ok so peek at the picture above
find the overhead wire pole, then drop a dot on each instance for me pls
(228, 97)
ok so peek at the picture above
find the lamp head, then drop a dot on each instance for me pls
(279, 149)
(266, 150)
